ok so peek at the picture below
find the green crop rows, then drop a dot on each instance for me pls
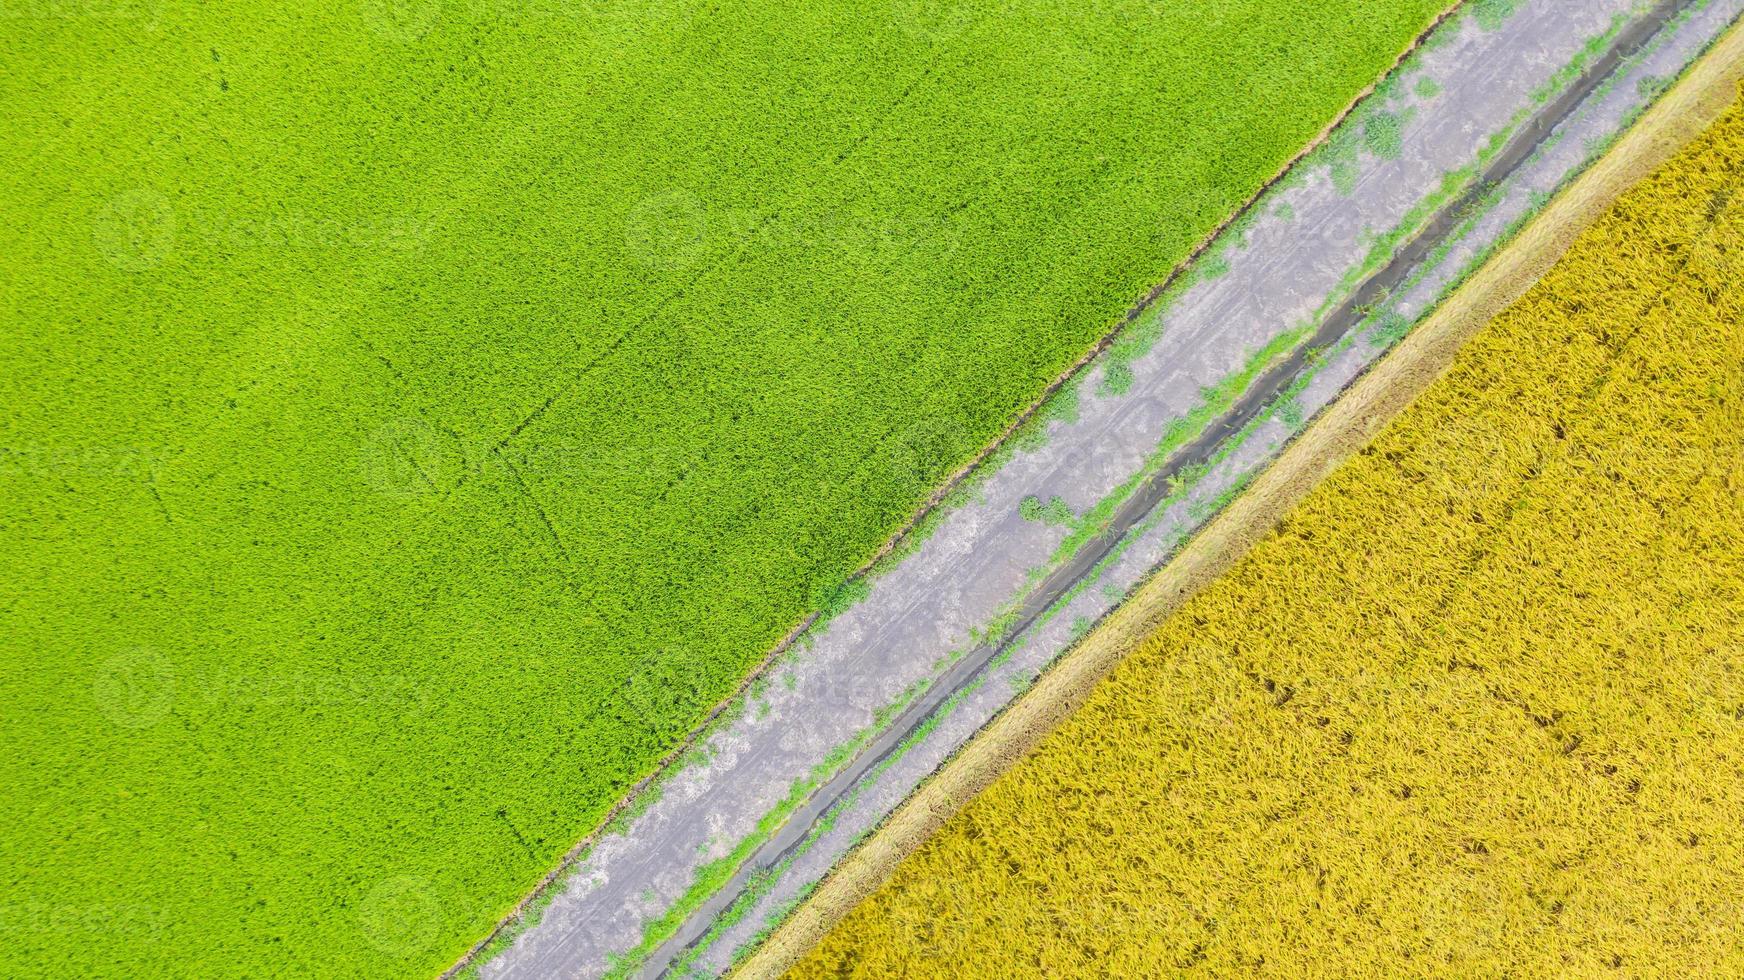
(417, 415)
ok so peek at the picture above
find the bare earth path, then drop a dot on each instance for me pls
(819, 755)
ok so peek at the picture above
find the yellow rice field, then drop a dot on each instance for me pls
(1475, 708)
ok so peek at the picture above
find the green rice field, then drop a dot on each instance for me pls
(415, 416)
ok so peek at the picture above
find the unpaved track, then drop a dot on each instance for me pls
(978, 560)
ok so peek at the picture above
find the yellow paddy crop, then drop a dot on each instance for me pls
(1476, 707)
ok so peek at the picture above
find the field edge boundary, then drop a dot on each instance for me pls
(1704, 92)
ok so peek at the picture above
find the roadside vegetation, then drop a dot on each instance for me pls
(1476, 707)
